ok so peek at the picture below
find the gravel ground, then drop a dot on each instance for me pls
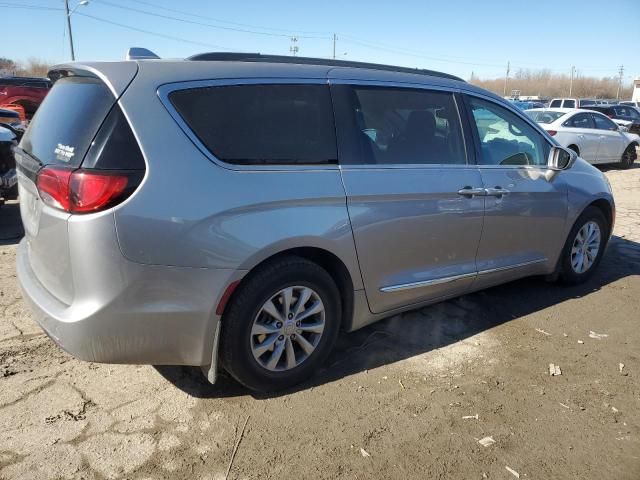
(408, 397)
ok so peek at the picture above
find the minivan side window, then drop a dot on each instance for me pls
(555, 104)
(261, 124)
(569, 104)
(505, 138)
(401, 126)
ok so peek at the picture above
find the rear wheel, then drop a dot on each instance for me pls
(575, 149)
(584, 247)
(281, 324)
(628, 157)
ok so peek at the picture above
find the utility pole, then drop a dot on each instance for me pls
(621, 73)
(334, 46)
(68, 14)
(506, 79)
(573, 69)
(293, 48)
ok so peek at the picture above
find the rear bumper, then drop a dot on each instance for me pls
(150, 314)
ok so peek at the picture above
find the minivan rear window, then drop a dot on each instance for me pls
(67, 120)
(261, 124)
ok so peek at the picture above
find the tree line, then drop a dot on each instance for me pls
(33, 67)
(544, 83)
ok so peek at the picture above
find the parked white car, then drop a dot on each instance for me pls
(590, 134)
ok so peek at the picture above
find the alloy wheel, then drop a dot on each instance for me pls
(287, 328)
(585, 248)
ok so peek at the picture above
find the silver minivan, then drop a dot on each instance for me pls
(237, 210)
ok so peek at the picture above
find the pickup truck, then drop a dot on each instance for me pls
(27, 92)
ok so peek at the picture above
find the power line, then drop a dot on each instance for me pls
(149, 32)
(29, 6)
(189, 14)
(193, 22)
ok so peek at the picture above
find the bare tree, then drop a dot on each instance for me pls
(547, 84)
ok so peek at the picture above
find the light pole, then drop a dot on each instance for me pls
(68, 14)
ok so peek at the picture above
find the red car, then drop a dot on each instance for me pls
(27, 92)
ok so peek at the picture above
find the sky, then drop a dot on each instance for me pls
(453, 36)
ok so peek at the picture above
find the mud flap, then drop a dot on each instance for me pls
(211, 371)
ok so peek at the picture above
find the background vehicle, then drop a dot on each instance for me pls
(630, 103)
(27, 92)
(623, 115)
(522, 105)
(590, 134)
(571, 102)
(11, 117)
(8, 177)
(322, 195)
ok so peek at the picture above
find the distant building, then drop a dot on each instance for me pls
(636, 91)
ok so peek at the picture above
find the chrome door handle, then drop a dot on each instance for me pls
(496, 192)
(470, 192)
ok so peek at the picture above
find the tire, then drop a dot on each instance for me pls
(628, 157)
(246, 314)
(569, 274)
(575, 149)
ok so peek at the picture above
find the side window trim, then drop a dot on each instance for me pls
(467, 141)
(470, 124)
(163, 92)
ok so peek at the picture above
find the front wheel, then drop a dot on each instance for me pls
(585, 246)
(280, 325)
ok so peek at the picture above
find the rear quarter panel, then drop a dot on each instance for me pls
(192, 212)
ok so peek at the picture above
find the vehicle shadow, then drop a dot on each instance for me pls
(605, 167)
(11, 230)
(430, 328)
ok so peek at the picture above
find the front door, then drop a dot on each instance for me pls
(410, 192)
(526, 203)
(612, 141)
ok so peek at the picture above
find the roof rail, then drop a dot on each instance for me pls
(139, 53)
(258, 57)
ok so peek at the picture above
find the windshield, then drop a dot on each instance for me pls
(544, 116)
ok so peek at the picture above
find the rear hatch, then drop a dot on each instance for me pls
(72, 149)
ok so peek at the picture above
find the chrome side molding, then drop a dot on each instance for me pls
(453, 278)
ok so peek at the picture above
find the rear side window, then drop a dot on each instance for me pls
(68, 119)
(261, 124)
(391, 125)
(581, 120)
(555, 103)
(569, 104)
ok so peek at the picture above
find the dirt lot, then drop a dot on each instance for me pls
(409, 397)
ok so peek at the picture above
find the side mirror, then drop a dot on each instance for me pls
(561, 158)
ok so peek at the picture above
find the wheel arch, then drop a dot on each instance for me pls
(607, 210)
(333, 264)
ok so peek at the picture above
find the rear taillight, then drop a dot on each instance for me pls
(552, 132)
(85, 191)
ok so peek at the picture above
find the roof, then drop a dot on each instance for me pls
(281, 59)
